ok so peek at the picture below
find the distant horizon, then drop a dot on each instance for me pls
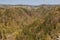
(30, 2)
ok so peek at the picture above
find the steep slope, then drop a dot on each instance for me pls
(29, 22)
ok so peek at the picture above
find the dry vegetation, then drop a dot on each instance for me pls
(29, 22)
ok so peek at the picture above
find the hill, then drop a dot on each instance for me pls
(26, 22)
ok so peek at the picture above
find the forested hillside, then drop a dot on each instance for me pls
(22, 22)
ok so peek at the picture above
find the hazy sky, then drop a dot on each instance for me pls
(30, 2)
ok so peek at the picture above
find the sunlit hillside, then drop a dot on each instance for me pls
(23, 22)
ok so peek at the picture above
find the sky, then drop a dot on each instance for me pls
(30, 2)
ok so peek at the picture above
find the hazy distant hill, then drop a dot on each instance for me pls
(26, 22)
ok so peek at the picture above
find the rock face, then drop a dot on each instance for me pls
(23, 22)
